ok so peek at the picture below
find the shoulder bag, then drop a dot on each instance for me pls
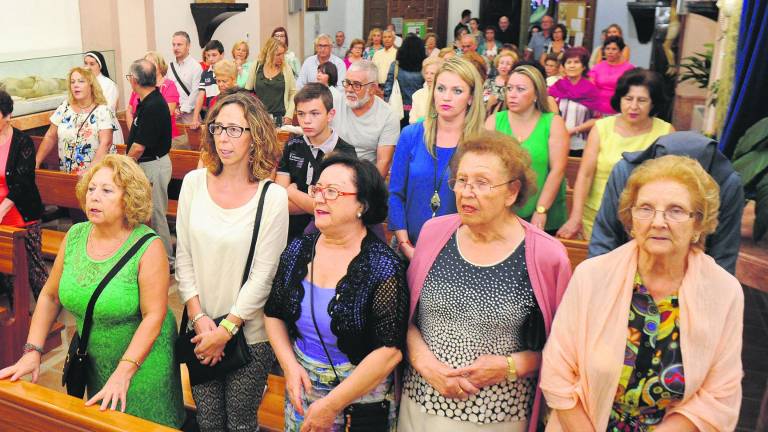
(396, 97)
(236, 354)
(358, 417)
(77, 362)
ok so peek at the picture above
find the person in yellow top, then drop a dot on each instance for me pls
(384, 57)
(639, 97)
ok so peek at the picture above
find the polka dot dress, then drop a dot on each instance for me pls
(466, 311)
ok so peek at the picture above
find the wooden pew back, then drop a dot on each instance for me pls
(182, 161)
(57, 188)
(572, 170)
(51, 161)
(14, 324)
(578, 250)
(28, 407)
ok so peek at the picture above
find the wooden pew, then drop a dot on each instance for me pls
(270, 410)
(14, 322)
(572, 170)
(578, 250)
(51, 161)
(27, 407)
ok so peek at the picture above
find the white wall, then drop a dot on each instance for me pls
(615, 11)
(333, 20)
(37, 28)
(174, 15)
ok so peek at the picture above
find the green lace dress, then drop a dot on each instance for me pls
(155, 391)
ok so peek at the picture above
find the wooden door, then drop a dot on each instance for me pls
(435, 12)
(375, 15)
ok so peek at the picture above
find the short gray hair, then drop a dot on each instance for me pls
(322, 36)
(144, 72)
(365, 66)
(184, 34)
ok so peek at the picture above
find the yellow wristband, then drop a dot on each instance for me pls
(126, 359)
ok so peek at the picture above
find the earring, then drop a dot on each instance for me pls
(433, 114)
(251, 155)
(632, 233)
(359, 215)
(695, 238)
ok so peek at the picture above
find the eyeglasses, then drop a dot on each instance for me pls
(128, 77)
(232, 131)
(329, 193)
(356, 86)
(674, 214)
(475, 187)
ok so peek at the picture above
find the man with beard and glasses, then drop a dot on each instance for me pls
(365, 120)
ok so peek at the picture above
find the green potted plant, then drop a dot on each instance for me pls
(750, 159)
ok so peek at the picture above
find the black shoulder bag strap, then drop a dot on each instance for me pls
(255, 236)
(312, 309)
(88, 319)
(178, 79)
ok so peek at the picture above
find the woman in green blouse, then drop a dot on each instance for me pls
(131, 344)
(530, 120)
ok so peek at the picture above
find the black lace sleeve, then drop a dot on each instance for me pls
(280, 299)
(389, 309)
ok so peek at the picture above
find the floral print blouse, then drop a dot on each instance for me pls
(652, 378)
(79, 135)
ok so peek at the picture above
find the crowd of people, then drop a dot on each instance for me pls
(460, 153)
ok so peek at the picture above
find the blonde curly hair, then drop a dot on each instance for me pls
(127, 175)
(704, 191)
(264, 151)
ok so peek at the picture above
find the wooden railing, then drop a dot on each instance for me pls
(27, 407)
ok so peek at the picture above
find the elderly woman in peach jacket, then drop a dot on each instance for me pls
(648, 336)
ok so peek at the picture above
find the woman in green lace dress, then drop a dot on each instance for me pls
(131, 344)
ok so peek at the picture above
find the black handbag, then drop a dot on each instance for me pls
(236, 353)
(77, 362)
(358, 417)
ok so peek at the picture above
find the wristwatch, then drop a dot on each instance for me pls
(511, 369)
(541, 209)
(229, 326)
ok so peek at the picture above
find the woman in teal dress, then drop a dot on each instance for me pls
(530, 120)
(131, 344)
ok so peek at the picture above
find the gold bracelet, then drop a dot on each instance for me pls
(511, 369)
(126, 359)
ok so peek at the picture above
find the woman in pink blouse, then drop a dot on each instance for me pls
(606, 74)
(167, 89)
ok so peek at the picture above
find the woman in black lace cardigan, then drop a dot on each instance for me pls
(20, 204)
(346, 284)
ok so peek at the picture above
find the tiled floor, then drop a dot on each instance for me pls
(754, 355)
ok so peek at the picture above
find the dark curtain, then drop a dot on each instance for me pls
(750, 92)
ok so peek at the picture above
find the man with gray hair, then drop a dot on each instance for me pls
(384, 57)
(185, 71)
(150, 141)
(365, 120)
(323, 54)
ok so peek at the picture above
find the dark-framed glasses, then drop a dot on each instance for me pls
(329, 193)
(356, 86)
(672, 214)
(232, 131)
(477, 186)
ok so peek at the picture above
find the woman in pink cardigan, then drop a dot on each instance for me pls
(648, 336)
(484, 288)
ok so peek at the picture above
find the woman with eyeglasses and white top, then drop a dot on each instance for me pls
(217, 210)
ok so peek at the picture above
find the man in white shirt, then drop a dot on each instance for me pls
(365, 120)
(186, 72)
(384, 57)
(398, 39)
(323, 54)
(339, 49)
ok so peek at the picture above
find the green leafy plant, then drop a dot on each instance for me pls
(750, 159)
(697, 67)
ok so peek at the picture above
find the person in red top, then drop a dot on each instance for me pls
(167, 88)
(20, 204)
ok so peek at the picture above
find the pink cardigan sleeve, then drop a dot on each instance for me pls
(715, 405)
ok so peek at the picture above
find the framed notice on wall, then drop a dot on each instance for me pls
(419, 28)
(317, 5)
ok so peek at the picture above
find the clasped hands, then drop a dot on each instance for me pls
(209, 341)
(486, 370)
